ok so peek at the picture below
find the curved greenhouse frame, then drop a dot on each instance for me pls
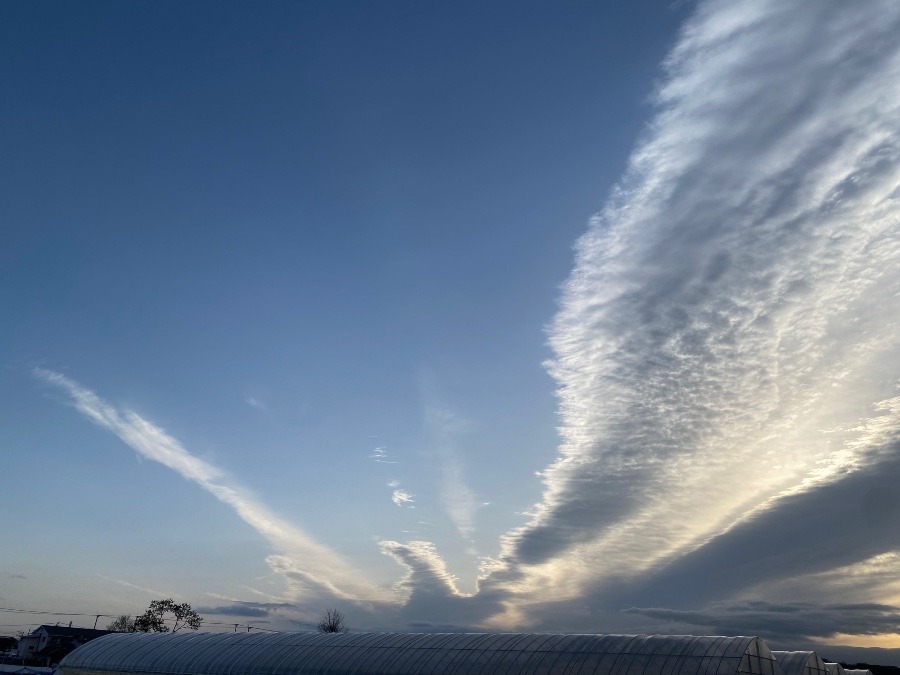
(835, 669)
(418, 654)
(801, 663)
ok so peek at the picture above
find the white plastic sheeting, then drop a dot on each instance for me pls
(418, 654)
(801, 663)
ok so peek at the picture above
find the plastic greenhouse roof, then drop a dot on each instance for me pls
(801, 663)
(418, 654)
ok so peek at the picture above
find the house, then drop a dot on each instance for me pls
(48, 644)
(28, 645)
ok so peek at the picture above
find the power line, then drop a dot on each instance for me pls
(37, 611)
(97, 615)
(240, 625)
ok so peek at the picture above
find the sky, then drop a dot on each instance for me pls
(546, 316)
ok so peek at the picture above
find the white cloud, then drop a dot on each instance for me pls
(256, 402)
(300, 557)
(401, 497)
(725, 352)
(426, 570)
(456, 497)
(728, 337)
(143, 589)
(380, 455)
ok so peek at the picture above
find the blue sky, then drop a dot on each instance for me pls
(519, 315)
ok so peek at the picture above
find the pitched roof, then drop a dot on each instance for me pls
(66, 631)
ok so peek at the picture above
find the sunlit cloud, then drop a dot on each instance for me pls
(726, 363)
(300, 557)
(426, 571)
(875, 579)
(728, 338)
(432, 597)
(402, 498)
(782, 621)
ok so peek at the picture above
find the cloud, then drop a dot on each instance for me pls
(256, 402)
(783, 621)
(321, 569)
(876, 577)
(727, 338)
(401, 497)
(458, 500)
(836, 543)
(430, 589)
(143, 589)
(380, 455)
(239, 605)
(236, 609)
(426, 571)
(726, 362)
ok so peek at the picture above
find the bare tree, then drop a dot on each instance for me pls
(332, 622)
(121, 624)
(153, 620)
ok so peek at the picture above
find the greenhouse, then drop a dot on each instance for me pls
(418, 654)
(801, 663)
(835, 669)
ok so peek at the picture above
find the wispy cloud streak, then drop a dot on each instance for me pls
(143, 589)
(782, 620)
(300, 557)
(728, 335)
(380, 456)
(256, 402)
(457, 498)
(401, 497)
